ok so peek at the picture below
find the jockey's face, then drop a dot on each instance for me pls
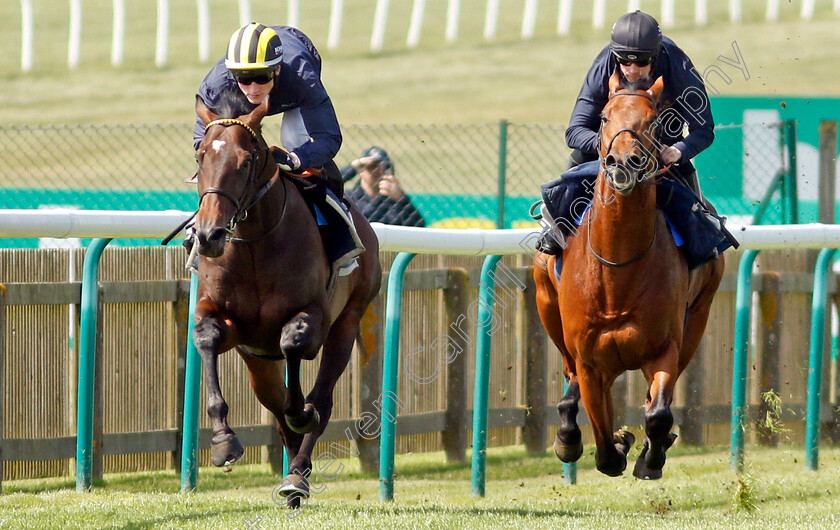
(633, 72)
(257, 92)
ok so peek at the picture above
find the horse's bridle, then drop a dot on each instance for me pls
(259, 151)
(602, 155)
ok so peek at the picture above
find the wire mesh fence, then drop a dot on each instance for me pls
(460, 176)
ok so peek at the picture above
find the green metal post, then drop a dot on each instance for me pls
(390, 361)
(87, 362)
(776, 184)
(743, 306)
(192, 387)
(815, 358)
(792, 201)
(482, 375)
(500, 215)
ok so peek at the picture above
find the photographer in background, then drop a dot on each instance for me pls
(378, 193)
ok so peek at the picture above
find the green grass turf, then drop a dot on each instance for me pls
(697, 491)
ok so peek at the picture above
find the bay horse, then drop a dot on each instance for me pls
(265, 289)
(624, 299)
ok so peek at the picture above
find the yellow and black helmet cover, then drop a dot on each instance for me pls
(254, 47)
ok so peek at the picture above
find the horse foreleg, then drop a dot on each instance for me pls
(612, 448)
(568, 445)
(301, 339)
(225, 448)
(658, 417)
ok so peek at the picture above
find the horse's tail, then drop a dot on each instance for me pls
(366, 337)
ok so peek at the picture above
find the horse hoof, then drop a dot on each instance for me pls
(567, 453)
(623, 441)
(649, 466)
(307, 422)
(614, 469)
(294, 485)
(225, 450)
(641, 471)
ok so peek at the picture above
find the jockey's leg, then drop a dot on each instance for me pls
(688, 176)
(334, 181)
(578, 157)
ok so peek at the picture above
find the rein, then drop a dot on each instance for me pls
(656, 171)
(273, 228)
(609, 263)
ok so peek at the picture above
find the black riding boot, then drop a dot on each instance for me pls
(335, 182)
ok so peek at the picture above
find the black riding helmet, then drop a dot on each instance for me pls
(636, 36)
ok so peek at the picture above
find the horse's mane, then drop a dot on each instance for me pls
(232, 103)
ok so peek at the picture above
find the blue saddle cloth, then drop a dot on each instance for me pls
(696, 227)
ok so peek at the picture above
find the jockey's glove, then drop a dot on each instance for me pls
(286, 161)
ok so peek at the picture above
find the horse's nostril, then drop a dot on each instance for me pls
(611, 160)
(210, 236)
(634, 161)
(216, 234)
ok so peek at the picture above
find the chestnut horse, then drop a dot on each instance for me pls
(624, 299)
(265, 289)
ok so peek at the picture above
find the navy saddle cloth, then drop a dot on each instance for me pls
(700, 228)
(337, 235)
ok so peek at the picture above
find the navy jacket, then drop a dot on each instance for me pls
(298, 86)
(683, 100)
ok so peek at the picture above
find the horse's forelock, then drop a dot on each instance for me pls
(642, 84)
(232, 104)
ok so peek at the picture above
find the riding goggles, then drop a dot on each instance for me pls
(260, 78)
(638, 61)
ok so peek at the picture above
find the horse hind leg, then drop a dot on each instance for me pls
(658, 423)
(300, 339)
(225, 448)
(267, 381)
(336, 354)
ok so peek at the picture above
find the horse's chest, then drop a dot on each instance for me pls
(607, 328)
(259, 313)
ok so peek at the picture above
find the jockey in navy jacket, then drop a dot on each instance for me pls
(297, 92)
(683, 100)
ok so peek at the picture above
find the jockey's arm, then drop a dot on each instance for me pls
(318, 119)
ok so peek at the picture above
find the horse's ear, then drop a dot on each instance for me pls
(256, 115)
(656, 90)
(613, 83)
(203, 111)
